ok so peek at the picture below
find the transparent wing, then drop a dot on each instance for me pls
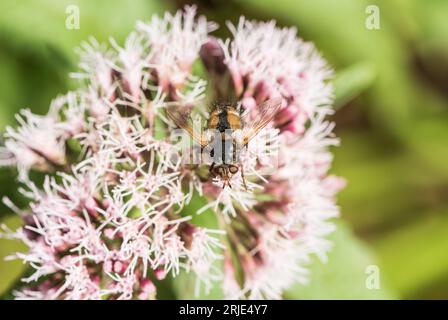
(181, 117)
(265, 113)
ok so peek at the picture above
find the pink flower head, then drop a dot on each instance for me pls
(116, 212)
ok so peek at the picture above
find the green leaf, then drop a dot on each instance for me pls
(43, 22)
(415, 256)
(344, 275)
(428, 138)
(352, 81)
(338, 30)
(381, 192)
(185, 285)
(206, 219)
(10, 271)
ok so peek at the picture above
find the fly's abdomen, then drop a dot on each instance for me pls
(223, 151)
(224, 120)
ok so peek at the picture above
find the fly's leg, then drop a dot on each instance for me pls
(242, 171)
(242, 176)
(192, 166)
(236, 159)
(211, 169)
(234, 153)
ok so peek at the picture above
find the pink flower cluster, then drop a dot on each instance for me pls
(112, 218)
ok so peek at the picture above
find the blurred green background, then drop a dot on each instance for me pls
(392, 116)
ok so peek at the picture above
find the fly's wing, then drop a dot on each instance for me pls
(266, 112)
(181, 117)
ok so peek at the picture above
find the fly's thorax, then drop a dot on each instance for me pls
(224, 117)
(213, 119)
(233, 118)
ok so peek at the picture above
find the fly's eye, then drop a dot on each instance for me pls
(218, 170)
(233, 169)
